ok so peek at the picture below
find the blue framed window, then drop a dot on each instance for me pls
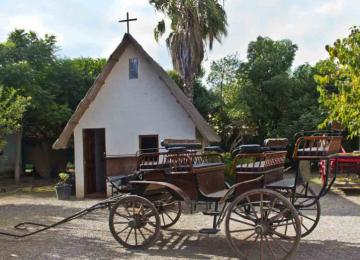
(133, 68)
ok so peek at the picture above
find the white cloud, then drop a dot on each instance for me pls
(92, 29)
(330, 7)
(142, 29)
(28, 22)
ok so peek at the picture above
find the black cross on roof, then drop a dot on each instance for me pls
(127, 20)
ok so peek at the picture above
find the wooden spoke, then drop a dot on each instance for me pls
(280, 214)
(275, 215)
(128, 235)
(307, 217)
(261, 247)
(122, 230)
(241, 230)
(284, 249)
(168, 216)
(310, 214)
(252, 207)
(170, 208)
(243, 222)
(121, 215)
(141, 233)
(120, 223)
(271, 249)
(302, 224)
(134, 236)
(147, 229)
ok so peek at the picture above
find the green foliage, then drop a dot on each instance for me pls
(229, 174)
(29, 65)
(64, 178)
(12, 108)
(225, 83)
(262, 97)
(338, 80)
(193, 24)
(279, 102)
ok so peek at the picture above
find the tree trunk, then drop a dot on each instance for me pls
(18, 159)
(189, 89)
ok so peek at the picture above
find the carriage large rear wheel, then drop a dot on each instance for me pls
(262, 224)
(134, 222)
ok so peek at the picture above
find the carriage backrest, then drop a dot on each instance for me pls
(277, 144)
(259, 162)
(317, 146)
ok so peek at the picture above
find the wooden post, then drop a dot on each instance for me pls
(18, 160)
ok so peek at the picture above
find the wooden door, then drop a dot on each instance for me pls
(89, 161)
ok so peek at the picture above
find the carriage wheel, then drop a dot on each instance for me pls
(262, 224)
(134, 222)
(169, 210)
(309, 214)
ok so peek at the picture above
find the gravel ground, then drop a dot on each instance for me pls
(336, 237)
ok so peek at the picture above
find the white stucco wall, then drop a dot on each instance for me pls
(129, 108)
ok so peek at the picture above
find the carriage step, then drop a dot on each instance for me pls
(209, 231)
(211, 213)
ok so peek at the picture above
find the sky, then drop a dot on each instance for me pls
(90, 28)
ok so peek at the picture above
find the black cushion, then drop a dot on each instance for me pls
(288, 183)
(213, 149)
(250, 148)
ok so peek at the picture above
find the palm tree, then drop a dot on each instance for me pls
(194, 24)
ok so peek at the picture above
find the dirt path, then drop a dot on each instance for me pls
(336, 237)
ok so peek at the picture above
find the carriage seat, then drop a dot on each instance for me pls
(288, 183)
(207, 165)
(216, 196)
(251, 167)
(318, 151)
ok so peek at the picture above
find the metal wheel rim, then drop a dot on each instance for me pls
(134, 222)
(263, 234)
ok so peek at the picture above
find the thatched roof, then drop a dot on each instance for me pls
(202, 126)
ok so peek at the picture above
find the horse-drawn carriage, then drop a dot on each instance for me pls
(264, 214)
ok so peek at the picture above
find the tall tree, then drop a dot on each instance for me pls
(222, 78)
(338, 80)
(12, 108)
(28, 63)
(267, 86)
(194, 23)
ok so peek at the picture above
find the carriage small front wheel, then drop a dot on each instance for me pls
(134, 222)
(169, 210)
(262, 224)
